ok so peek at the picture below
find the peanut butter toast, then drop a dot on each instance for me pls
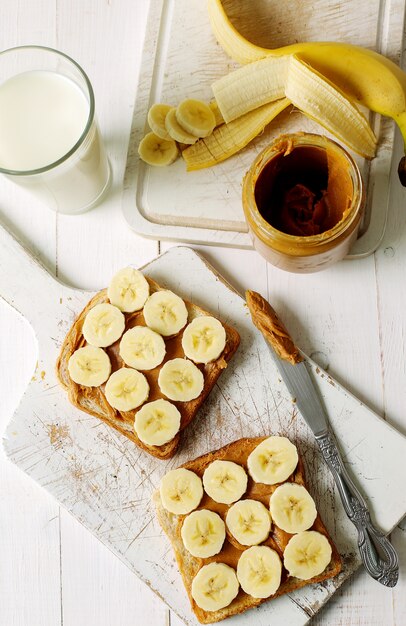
(216, 534)
(160, 403)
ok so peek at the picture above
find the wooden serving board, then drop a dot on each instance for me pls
(106, 482)
(181, 59)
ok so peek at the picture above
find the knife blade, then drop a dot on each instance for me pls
(301, 388)
(376, 551)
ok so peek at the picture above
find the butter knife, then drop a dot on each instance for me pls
(377, 553)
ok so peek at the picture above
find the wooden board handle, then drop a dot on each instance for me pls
(24, 282)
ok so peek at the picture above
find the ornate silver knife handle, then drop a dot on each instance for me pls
(377, 553)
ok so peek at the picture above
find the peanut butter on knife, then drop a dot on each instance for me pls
(266, 320)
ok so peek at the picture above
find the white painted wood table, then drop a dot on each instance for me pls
(351, 319)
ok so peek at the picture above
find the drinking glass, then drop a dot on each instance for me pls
(49, 138)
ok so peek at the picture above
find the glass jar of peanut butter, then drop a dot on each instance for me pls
(303, 201)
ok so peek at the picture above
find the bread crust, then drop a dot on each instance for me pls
(92, 400)
(238, 452)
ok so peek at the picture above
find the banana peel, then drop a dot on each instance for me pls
(363, 75)
(320, 100)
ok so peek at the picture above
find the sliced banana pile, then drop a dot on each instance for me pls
(184, 124)
(246, 524)
(143, 348)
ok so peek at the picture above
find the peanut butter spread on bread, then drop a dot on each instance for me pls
(266, 320)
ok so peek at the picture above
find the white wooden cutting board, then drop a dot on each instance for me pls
(181, 59)
(106, 482)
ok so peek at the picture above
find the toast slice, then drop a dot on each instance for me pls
(92, 400)
(238, 451)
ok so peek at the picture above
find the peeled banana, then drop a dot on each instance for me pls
(292, 508)
(157, 422)
(165, 312)
(181, 491)
(275, 77)
(203, 533)
(225, 481)
(142, 348)
(126, 389)
(103, 325)
(307, 554)
(249, 522)
(365, 76)
(273, 460)
(89, 366)
(215, 586)
(259, 571)
(180, 379)
(251, 86)
(128, 290)
(204, 339)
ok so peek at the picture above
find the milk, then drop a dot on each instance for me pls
(43, 115)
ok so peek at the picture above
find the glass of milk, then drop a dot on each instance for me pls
(49, 139)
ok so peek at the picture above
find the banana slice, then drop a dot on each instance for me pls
(165, 312)
(176, 131)
(292, 508)
(249, 522)
(203, 533)
(224, 481)
(157, 422)
(204, 339)
(157, 151)
(181, 491)
(126, 389)
(103, 325)
(180, 379)
(156, 119)
(128, 290)
(89, 366)
(215, 586)
(259, 571)
(272, 461)
(307, 554)
(196, 117)
(142, 348)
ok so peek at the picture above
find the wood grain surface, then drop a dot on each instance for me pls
(350, 318)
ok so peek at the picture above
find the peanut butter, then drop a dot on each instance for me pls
(303, 199)
(266, 320)
(304, 190)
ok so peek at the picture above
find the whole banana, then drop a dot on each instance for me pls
(365, 76)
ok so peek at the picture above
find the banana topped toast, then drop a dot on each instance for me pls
(143, 360)
(243, 527)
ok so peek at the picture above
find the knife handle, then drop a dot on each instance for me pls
(377, 553)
